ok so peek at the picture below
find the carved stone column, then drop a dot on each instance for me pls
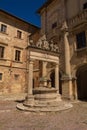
(67, 78)
(57, 77)
(30, 97)
(30, 78)
(65, 34)
(67, 54)
(57, 82)
(75, 89)
(44, 73)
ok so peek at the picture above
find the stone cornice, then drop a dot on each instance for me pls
(44, 5)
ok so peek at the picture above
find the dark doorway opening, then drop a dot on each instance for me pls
(60, 83)
(52, 77)
(33, 83)
(82, 83)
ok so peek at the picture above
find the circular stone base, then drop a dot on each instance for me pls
(44, 90)
(44, 100)
(53, 107)
(45, 95)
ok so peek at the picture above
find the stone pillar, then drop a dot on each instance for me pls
(57, 82)
(76, 97)
(44, 73)
(67, 65)
(65, 33)
(67, 54)
(30, 78)
(57, 77)
(67, 79)
(30, 98)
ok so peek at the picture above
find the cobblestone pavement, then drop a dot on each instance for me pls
(71, 119)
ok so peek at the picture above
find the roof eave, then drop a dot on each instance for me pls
(5, 12)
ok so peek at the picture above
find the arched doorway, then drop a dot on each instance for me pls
(82, 82)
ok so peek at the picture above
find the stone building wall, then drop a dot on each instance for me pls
(76, 17)
(54, 15)
(60, 11)
(77, 56)
(14, 72)
(74, 7)
(71, 17)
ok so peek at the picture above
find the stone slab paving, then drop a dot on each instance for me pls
(71, 119)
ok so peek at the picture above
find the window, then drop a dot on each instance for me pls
(0, 76)
(1, 51)
(54, 25)
(85, 6)
(17, 55)
(16, 76)
(19, 34)
(3, 28)
(81, 40)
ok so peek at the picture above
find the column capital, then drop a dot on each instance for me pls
(45, 62)
(64, 27)
(66, 33)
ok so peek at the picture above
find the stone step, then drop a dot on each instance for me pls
(60, 106)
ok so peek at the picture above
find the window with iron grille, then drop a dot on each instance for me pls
(81, 40)
(1, 52)
(3, 28)
(17, 55)
(19, 34)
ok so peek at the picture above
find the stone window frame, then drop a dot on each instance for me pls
(2, 76)
(2, 51)
(82, 46)
(16, 48)
(19, 34)
(5, 48)
(16, 77)
(3, 28)
(85, 5)
(54, 25)
(17, 55)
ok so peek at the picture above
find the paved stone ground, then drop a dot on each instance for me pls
(13, 119)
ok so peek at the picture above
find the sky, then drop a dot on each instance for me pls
(24, 9)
